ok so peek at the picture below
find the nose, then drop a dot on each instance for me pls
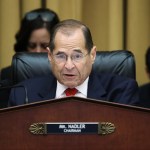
(38, 49)
(69, 64)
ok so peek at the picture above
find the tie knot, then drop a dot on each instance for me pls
(71, 92)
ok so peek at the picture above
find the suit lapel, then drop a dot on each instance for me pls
(49, 91)
(95, 88)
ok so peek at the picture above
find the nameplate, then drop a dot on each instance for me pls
(102, 128)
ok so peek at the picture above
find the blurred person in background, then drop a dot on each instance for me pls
(144, 90)
(33, 35)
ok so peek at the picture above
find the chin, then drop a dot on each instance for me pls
(70, 85)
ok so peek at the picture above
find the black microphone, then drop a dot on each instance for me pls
(6, 86)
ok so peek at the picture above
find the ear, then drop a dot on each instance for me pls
(93, 54)
(49, 54)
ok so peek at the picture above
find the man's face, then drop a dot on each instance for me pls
(70, 61)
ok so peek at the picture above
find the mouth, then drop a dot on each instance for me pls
(69, 76)
(70, 80)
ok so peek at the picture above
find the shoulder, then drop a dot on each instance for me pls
(117, 88)
(6, 69)
(38, 81)
(31, 88)
(144, 91)
(112, 81)
(145, 87)
(6, 73)
(113, 78)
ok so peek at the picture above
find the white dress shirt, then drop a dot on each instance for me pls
(82, 89)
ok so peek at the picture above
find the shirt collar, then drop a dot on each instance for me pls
(81, 88)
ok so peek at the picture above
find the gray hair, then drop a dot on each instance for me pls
(68, 27)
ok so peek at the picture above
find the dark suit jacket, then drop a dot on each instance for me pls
(144, 92)
(5, 80)
(6, 73)
(101, 87)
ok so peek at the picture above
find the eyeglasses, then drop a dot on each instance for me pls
(44, 16)
(35, 45)
(62, 58)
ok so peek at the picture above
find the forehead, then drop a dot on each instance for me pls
(40, 34)
(74, 38)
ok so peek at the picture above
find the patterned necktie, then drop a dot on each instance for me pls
(71, 92)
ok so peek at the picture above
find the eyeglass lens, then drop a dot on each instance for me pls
(75, 57)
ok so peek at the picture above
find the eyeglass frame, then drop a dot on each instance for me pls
(66, 57)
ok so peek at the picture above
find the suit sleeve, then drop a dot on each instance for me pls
(17, 96)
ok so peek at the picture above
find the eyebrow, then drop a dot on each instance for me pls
(59, 52)
(78, 50)
(75, 50)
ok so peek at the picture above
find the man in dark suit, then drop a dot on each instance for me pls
(72, 54)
